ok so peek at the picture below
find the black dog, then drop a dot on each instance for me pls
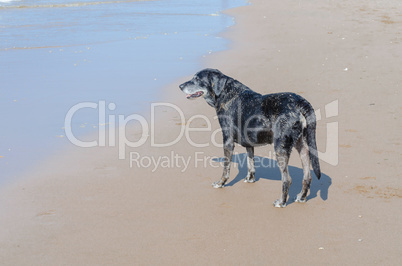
(250, 119)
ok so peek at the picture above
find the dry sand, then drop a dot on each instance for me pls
(87, 207)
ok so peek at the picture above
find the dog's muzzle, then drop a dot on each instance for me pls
(193, 95)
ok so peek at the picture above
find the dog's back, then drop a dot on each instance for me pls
(277, 104)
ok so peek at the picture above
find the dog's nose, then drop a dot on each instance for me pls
(181, 86)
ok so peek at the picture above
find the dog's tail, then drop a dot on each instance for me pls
(311, 142)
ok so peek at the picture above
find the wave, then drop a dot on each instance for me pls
(73, 4)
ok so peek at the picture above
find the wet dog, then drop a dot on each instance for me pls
(250, 119)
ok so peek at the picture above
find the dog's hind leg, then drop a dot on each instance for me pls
(287, 132)
(250, 165)
(302, 148)
(228, 152)
(282, 159)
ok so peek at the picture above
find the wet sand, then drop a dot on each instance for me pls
(85, 206)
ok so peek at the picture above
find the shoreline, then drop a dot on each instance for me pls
(127, 66)
(94, 206)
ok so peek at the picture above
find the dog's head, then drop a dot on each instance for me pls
(208, 83)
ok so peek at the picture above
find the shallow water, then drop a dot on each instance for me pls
(56, 54)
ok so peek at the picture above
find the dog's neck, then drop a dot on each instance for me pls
(229, 93)
(225, 105)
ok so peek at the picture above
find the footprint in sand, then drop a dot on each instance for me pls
(345, 146)
(46, 213)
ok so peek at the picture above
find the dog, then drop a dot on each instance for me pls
(250, 119)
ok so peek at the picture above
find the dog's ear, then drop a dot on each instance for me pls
(218, 82)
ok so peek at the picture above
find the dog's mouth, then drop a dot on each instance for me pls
(194, 95)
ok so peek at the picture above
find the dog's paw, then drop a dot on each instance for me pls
(217, 184)
(279, 204)
(246, 180)
(299, 199)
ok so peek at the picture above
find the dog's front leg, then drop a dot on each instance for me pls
(228, 152)
(250, 178)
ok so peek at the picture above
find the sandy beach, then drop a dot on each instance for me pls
(156, 206)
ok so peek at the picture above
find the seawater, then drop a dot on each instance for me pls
(55, 54)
